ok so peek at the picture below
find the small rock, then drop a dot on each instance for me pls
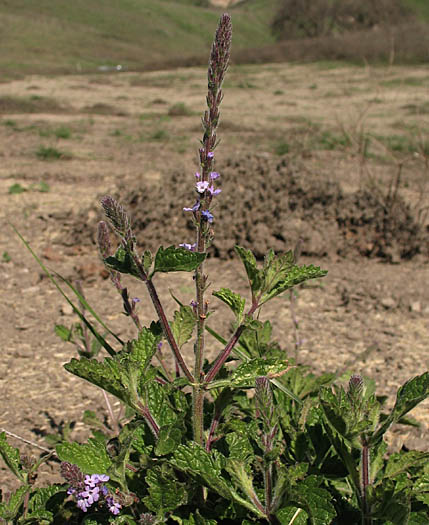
(388, 303)
(66, 309)
(31, 289)
(416, 307)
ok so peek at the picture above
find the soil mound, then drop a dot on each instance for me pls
(267, 203)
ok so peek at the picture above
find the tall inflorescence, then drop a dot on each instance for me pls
(205, 177)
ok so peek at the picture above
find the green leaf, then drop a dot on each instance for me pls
(157, 400)
(292, 515)
(144, 348)
(207, 469)
(165, 492)
(409, 395)
(9, 510)
(246, 373)
(11, 457)
(90, 457)
(197, 519)
(107, 374)
(183, 325)
(239, 446)
(41, 497)
(174, 259)
(316, 501)
(419, 518)
(405, 462)
(253, 273)
(16, 188)
(169, 438)
(147, 261)
(282, 276)
(233, 300)
(63, 332)
(194, 460)
(122, 262)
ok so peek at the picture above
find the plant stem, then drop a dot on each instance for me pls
(224, 354)
(366, 518)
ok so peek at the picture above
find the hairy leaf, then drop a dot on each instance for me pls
(409, 395)
(183, 325)
(9, 510)
(253, 273)
(11, 457)
(90, 457)
(233, 300)
(122, 262)
(174, 259)
(292, 515)
(169, 438)
(316, 501)
(283, 277)
(165, 492)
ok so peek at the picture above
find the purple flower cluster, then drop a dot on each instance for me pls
(93, 490)
(206, 191)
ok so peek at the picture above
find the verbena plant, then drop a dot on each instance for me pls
(250, 437)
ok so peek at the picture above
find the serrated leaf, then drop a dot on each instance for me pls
(174, 259)
(246, 373)
(144, 348)
(147, 261)
(233, 300)
(197, 519)
(90, 457)
(409, 395)
(316, 501)
(9, 510)
(122, 262)
(239, 446)
(404, 462)
(164, 494)
(41, 498)
(253, 273)
(292, 515)
(169, 438)
(106, 374)
(157, 400)
(419, 518)
(193, 459)
(11, 457)
(183, 325)
(207, 468)
(63, 332)
(284, 277)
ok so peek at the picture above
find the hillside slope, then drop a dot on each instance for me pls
(62, 36)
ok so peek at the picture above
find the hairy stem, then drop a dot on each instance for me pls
(224, 354)
(366, 518)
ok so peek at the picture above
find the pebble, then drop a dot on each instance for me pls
(388, 302)
(66, 309)
(31, 289)
(416, 307)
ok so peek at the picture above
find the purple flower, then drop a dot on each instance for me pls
(193, 303)
(187, 246)
(202, 186)
(214, 175)
(212, 191)
(207, 216)
(197, 174)
(195, 207)
(113, 506)
(210, 155)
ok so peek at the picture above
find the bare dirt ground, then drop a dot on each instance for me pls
(295, 162)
